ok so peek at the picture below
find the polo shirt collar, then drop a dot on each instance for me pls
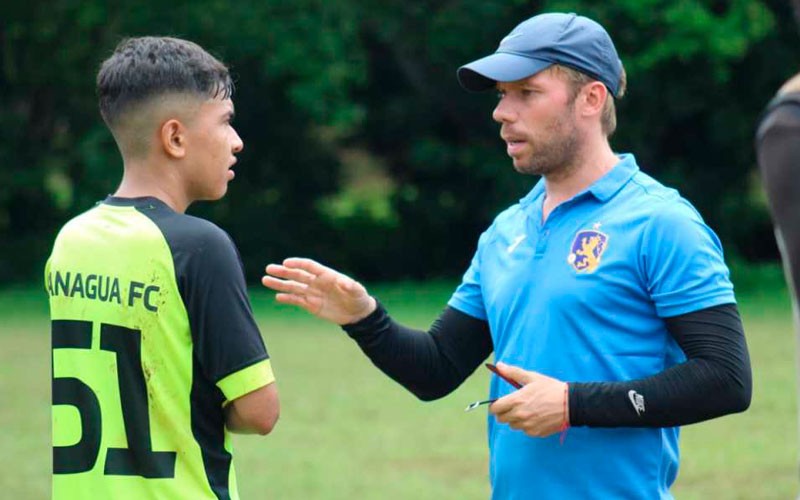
(608, 185)
(604, 188)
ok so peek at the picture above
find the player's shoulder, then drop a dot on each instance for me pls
(79, 223)
(192, 228)
(200, 249)
(187, 233)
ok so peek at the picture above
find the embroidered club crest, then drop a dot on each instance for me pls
(587, 249)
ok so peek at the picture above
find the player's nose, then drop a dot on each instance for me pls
(238, 144)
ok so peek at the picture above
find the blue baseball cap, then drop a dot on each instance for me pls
(542, 41)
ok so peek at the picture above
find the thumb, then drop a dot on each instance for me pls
(516, 373)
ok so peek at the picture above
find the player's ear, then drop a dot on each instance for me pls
(173, 138)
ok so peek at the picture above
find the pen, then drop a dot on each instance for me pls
(494, 369)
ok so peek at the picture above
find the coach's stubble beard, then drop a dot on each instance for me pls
(555, 154)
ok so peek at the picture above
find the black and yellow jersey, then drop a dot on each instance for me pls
(152, 335)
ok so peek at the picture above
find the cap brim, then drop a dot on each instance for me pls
(484, 73)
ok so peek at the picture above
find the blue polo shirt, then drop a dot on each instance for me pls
(581, 298)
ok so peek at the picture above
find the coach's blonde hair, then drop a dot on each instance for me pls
(576, 81)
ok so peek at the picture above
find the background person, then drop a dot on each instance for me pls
(778, 151)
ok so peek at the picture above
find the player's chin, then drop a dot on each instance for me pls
(219, 192)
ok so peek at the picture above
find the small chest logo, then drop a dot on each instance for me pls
(587, 249)
(513, 246)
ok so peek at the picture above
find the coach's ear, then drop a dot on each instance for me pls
(173, 138)
(593, 98)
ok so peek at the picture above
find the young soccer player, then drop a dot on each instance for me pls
(156, 355)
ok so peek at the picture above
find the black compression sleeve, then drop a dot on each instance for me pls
(432, 364)
(714, 380)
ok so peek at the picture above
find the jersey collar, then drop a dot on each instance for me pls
(140, 202)
(608, 185)
(604, 188)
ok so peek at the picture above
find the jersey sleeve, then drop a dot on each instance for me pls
(227, 342)
(468, 297)
(682, 262)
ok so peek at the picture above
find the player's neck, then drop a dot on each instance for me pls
(592, 164)
(143, 178)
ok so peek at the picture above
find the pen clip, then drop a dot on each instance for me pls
(476, 404)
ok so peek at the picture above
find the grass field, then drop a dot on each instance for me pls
(346, 431)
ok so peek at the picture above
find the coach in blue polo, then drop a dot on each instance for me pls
(602, 292)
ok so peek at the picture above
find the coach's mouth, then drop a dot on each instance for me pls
(514, 145)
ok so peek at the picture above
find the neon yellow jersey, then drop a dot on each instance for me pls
(152, 334)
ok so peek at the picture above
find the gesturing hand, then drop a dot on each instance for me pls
(539, 408)
(320, 290)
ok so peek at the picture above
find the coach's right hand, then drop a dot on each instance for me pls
(322, 291)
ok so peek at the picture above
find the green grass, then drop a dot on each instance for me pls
(347, 431)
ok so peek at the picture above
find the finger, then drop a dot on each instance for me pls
(268, 281)
(516, 373)
(296, 300)
(511, 418)
(502, 418)
(518, 423)
(502, 405)
(531, 431)
(308, 265)
(284, 285)
(290, 274)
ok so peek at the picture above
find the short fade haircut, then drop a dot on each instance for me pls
(143, 68)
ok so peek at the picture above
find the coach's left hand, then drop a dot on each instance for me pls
(538, 408)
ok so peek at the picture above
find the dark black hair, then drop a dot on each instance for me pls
(145, 67)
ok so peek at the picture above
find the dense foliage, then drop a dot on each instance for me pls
(360, 147)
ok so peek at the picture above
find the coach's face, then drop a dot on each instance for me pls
(213, 144)
(538, 125)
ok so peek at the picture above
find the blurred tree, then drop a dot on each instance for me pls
(699, 72)
(360, 147)
(294, 66)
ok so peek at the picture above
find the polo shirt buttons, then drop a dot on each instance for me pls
(541, 245)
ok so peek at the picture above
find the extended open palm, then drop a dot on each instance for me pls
(320, 290)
